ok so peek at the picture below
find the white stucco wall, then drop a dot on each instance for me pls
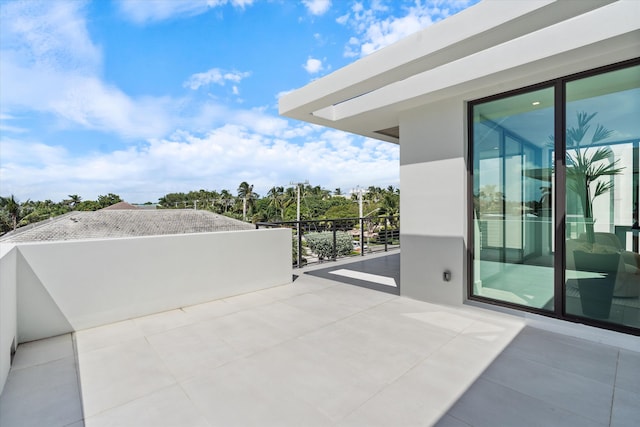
(433, 202)
(67, 286)
(8, 308)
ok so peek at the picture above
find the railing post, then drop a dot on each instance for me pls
(299, 246)
(361, 236)
(334, 252)
(386, 235)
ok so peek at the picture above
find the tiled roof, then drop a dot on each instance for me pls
(125, 223)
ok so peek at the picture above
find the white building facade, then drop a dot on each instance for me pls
(519, 132)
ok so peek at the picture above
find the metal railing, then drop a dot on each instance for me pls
(368, 235)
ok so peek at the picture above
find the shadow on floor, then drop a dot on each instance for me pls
(384, 267)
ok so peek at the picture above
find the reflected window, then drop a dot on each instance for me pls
(516, 180)
(601, 250)
(513, 207)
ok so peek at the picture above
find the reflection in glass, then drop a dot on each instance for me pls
(601, 250)
(513, 209)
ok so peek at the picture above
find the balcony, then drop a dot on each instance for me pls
(322, 352)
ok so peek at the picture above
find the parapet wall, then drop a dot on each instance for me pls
(52, 288)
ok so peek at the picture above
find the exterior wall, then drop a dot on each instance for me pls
(433, 202)
(8, 306)
(67, 286)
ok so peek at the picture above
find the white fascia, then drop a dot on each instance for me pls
(545, 53)
(335, 100)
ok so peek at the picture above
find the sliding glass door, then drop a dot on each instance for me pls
(576, 139)
(602, 279)
(513, 208)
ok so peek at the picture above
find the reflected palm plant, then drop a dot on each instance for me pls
(586, 164)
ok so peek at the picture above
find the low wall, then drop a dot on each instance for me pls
(72, 285)
(8, 307)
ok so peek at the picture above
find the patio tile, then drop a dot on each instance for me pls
(192, 350)
(320, 305)
(298, 370)
(168, 407)
(422, 395)
(226, 398)
(449, 421)
(209, 310)
(161, 322)
(355, 296)
(245, 332)
(107, 335)
(626, 408)
(489, 404)
(302, 285)
(366, 343)
(289, 319)
(249, 300)
(572, 392)
(43, 351)
(628, 374)
(114, 375)
(581, 357)
(43, 395)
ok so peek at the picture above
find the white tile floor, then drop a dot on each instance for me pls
(321, 353)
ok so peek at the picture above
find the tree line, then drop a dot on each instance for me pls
(279, 204)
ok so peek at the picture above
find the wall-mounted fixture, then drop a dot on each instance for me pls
(446, 276)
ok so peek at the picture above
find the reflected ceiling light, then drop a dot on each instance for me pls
(535, 103)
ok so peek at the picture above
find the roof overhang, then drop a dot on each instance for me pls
(515, 44)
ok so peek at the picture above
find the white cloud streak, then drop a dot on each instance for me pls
(215, 76)
(374, 32)
(151, 11)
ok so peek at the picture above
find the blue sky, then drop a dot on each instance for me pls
(143, 98)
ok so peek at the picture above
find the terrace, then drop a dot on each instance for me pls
(319, 351)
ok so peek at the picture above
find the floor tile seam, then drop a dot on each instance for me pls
(111, 408)
(453, 416)
(569, 373)
(40, 364)
(484, 377)
(541, 402)
(524, 354)
(193, 404)
(76, 363)
(613, 395)
(396, 379)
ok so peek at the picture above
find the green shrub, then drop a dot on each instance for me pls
(322, 243)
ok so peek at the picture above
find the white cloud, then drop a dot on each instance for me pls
(313, 66)
(375, 28)
(142, 12)
(216, 76)
(49, 65)
(317, 7)
(49, 35)
(219, 159)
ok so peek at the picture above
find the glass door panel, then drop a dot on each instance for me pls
(513, 210)
(602, 275)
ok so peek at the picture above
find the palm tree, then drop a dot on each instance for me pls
(74, 200)
(226, 200)
(13, 207)
(585, 166)
(277, 196)
(245, 192)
